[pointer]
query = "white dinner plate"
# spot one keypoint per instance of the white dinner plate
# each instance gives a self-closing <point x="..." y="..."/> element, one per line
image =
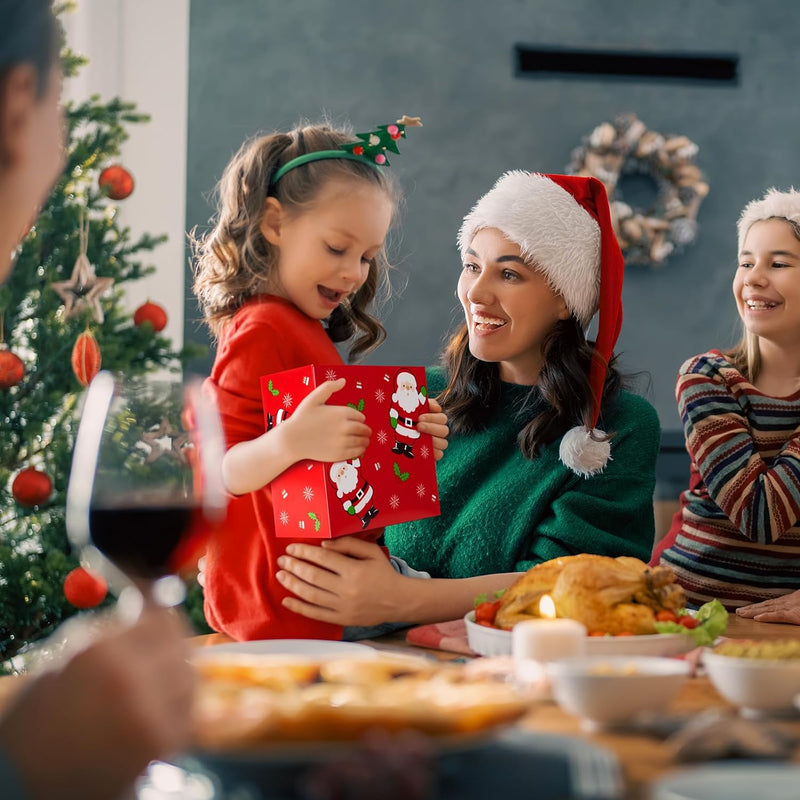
<point x="313" y="648"/>
<point x="497" y="642"/>
<point x="732" y="782"/>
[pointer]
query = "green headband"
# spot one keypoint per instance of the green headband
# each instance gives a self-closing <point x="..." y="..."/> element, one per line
<point x="370" y="149"/>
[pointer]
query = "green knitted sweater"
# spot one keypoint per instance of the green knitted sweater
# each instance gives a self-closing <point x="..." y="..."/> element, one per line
<point x="503" y="513"/>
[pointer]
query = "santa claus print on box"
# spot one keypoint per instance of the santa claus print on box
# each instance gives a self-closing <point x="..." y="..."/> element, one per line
<point x="393" y="481"/>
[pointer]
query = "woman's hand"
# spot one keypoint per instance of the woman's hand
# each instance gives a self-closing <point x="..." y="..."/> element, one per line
<point x="777" y="609"/>
<point x="434" y="422"/>
<point x="346" y="581"/>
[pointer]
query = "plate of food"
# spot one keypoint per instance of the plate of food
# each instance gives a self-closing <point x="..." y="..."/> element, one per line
<point x="626" y="606"/>
<point x="251" y="702"/>
<point x="314" y="648"/>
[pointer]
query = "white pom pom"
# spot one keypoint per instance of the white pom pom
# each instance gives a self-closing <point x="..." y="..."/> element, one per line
<point x="583" y="454"/>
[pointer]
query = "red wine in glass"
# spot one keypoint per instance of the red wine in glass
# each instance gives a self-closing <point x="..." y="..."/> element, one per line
<point x="143" y="541"/>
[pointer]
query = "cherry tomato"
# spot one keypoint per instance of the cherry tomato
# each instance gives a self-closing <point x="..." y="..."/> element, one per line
<point x="665" y="615"/>
<point x="486" y="612"/>
<point x="688" y="621"/>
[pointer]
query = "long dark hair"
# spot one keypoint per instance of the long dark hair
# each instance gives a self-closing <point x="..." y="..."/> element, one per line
<point x="474" y="387"/>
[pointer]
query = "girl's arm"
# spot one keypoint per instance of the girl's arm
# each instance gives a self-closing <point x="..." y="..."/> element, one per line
<point x="762" y="500"/>
<point x="349" y="581"/>
<point x="315" y="430"/>
<point x="777" y="609"/>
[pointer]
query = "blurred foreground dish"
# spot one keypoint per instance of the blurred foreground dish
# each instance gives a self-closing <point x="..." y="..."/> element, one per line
<point x="247" y="701"/>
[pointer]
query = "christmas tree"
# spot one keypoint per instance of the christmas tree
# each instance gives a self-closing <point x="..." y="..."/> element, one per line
<point x="61" y="313"/>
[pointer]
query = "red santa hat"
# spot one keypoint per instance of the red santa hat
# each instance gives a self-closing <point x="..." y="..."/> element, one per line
<point x="562" y="224"/>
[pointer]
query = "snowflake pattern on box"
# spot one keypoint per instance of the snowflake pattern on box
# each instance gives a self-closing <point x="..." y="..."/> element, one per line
<point x="395" y="478"/>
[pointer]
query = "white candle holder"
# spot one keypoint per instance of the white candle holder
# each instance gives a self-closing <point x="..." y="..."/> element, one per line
<point x="534" y="642"/>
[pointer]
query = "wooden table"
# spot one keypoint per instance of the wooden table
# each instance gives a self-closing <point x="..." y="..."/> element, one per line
<point x="643" y="758"/>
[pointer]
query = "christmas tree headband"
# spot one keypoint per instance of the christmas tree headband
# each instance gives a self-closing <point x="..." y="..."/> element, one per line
<point x="370" y="149"/>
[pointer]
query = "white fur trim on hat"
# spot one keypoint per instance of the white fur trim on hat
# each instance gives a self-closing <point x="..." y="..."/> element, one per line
<point x="556" y="234"/>
<point x="583" y="453"/>
<point x="774" y="204"/>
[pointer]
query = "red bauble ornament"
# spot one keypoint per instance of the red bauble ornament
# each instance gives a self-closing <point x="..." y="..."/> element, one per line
<point x="152" y="313"/>
<point x="116" y="182"/>
<point x="31" y="487"/>
<point x="85" y="589"/>
<point x="11" y="367"/>
<point x="86" y="358"/>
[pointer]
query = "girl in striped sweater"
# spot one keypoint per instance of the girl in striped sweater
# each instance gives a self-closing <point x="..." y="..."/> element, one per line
<point x="737" y="535"/>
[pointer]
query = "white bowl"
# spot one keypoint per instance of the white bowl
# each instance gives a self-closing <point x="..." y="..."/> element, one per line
<point x="606" y="691"/>
<point x="758" y="686"/>
<point x="496" y="642"/>
<point x="730" y="780"/>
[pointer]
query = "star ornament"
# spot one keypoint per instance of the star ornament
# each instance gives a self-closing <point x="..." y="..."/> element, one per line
<point x="165" y="440"/>
<point x="410" y="122"/>
<point x="83" y="290"/>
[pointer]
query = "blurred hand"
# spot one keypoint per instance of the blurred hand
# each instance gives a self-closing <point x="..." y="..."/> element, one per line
<point x="88" y="729"/>
<point x="327" y="433"/>
<point x="434" y="422"/>
<point x="777" y="609"/>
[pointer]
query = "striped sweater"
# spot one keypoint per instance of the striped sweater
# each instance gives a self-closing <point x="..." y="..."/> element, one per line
<point x="737" y="536"/>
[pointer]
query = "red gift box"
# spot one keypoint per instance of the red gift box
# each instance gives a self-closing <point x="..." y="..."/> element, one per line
<point x="395" y="478"/>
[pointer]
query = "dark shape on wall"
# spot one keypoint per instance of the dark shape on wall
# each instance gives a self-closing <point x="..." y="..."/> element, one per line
<point x="532" y="61"/>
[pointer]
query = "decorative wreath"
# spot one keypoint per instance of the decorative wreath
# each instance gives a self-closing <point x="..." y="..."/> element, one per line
<point x="627" y="146"/>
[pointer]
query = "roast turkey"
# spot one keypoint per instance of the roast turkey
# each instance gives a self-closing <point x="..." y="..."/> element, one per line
<point x="609" y="595"/>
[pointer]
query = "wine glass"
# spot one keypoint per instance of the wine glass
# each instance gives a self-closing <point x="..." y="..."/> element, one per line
<point x="146" y="483"/>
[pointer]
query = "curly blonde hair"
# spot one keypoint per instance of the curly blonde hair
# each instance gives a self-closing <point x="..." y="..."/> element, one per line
<point x="234" y="261"/>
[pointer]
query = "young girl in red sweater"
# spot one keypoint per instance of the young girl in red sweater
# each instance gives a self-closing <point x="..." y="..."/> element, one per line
<point x="292" y="265"/>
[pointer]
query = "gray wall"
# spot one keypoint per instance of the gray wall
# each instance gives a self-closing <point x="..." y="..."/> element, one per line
<point x="260" y="65"/>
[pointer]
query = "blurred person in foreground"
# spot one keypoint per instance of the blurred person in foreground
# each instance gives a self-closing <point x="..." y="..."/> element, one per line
<point x="87" y="727"/>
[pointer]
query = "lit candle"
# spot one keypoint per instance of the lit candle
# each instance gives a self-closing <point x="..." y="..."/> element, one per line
<point x="548" y="638"/>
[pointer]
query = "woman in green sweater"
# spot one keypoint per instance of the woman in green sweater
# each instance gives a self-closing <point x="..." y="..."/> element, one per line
<point x="548" y="455"/>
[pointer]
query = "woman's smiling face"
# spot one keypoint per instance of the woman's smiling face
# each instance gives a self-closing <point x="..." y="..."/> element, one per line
<point x="508" y="305"/>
